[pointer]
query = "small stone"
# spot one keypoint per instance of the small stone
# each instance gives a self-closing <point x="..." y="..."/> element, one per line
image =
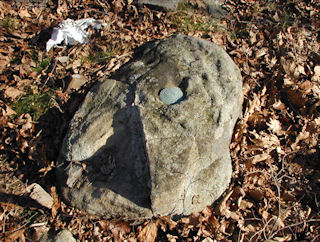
<point x="38" y="194"/>
<point x="63" y="59"/>
<point x="215" y="8"/>
<point x="63" y="236"/>
<point x="169" y="5"/>
<point x="76" y="82"/>
<point x="171" y="95"/>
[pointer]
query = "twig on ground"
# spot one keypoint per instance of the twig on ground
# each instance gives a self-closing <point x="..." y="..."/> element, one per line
<point x="21" y="227"/>
<point x="294" y="225"/>
<point x="38" y="224"/>
<point x="49" y="74"/>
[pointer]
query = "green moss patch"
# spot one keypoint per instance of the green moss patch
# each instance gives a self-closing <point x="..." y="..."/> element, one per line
<point x="34" y="104"/>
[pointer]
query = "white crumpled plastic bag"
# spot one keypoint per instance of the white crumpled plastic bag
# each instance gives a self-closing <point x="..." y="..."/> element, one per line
<point x="71" y="32"/>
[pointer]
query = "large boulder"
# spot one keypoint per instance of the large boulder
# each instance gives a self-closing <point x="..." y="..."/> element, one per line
<point x="154" y="138"/>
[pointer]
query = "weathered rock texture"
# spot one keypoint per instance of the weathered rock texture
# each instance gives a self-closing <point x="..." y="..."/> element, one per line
<point x="128" y="153"/>
<point x="164" y="4"/>
<point x="215" y="8"/>
<point x="62" y="236"/>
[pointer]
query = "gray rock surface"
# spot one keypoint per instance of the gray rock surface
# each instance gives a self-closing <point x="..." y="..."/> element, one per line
<point x="63" y="236"/>
<point x="164" y="4"/>
<point x="129" y="154"/>
<point x="215" y="8"/>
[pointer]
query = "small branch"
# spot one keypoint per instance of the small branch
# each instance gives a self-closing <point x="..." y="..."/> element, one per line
<point x="294" y="225"/>
<point x="51" y="72"/>
<point x="21" y="227"/>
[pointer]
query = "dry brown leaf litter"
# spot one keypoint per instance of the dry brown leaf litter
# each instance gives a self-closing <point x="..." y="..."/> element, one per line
<point x="275" y="149"/>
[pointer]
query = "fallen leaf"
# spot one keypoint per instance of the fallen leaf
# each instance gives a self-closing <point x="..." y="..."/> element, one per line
<point x="288" y="66"/>
<point x="26" y="127"/>
<point x="62" y="8"/>
<point x="264" y="213"/>
<point x="288" y="237"/>
<point x="5" y="7"/>
<point x="4" y="62"/>
<point x="22" y="143"/>
<point x="253" y="37"/>
<point x="118" y="5"/>
<point x="306" y="87"/>
<point x="302" y="136"/>
<point x="316" y="75"/>
<point x="258" y="158"/>
<point x="56" y="201"/>
<point x="279" y="222"/>
<point x="207" y="211"/>
<point x="149" y="232"/>
<point x="299" y="70"/>
<point x="223" y="208"/>
<point x="38" y="232"/>
<point x="213" y="221"/>
<point x="165" y="222"/>
<point x="224" y="224"/>
<point x="117" y="227"/>
<point x="12" y="93"/>
<point x="9" y="111"/>
<point x="261" y="52"/>
<point x="256" y="194"/>
<point x="288" y="196"/>
<point x="278" y="105"/>
<point x="208" y="239"/>
<point x="23" y="13"/>
<point x="275" y="126"/>
<point x="17" y="235"/>
<point x="172" y="238"/>
<point x="245" y="204"/>
<point x="296" y="98"/>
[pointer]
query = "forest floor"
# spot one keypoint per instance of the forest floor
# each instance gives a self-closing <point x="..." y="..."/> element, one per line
<point x="275" y="189"/>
